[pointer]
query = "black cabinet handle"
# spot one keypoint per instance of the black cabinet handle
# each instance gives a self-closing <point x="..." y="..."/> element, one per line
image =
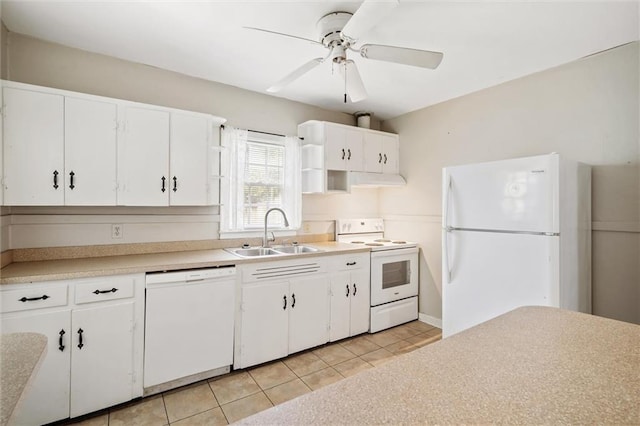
<point x="379" y="157"/>
<point x="285" y="302"/>
<point x="80" y="331"/>
<point x="347" y="294"/>
<point x="293" y="300"/>
<point x="351" y="263"/>
<point x="175" y="184"/>
<point x="343" y="153"/>
<point x="355" y="290"/>
<point x="31" y="299"/>
<point x="113" y="290"/>
<point x="349" y="154"/>
<point x="385" y="159"/>
<point x="163" y="184"/>
<point x="71" y="175"/>
<point x="55" y="179"/>
<point x="60" y="341"/>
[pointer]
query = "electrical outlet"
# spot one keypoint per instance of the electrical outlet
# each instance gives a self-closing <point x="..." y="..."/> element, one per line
<point x="116" y="231"/>
<point x="306" y="227"/>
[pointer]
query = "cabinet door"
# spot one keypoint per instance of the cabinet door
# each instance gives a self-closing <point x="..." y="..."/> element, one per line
<point x="90" y="152"/>
<point x="33" y="148"/>
<point x="189" y="159"/>
<point x="390" y="148"/>
<point x="340" y="306"/>
<point x="309" y="313"/>
<point x="360" y="301"/>
<point x="102" y="360"/>
<point x="335" y="148"/>
<point x="353" y="142"/>
<point x="47" y="398"/>
<point x="372" y="148"/>
<point x="143" y="158"/>
<point x="264" y="322"/>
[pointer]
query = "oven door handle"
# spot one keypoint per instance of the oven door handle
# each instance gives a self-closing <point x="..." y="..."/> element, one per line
<point x="394" y="253"/>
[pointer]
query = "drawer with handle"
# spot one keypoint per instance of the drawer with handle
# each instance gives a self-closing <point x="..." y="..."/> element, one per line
<point x="33" y="296"/>
<point x="101" y="289"/>
<point x="351" y="261"/>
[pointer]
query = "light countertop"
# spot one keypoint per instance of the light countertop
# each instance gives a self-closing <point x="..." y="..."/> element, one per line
<point x="533" y="365"/>
<point x="48" y="270"/>
<point x="20" y="357"/>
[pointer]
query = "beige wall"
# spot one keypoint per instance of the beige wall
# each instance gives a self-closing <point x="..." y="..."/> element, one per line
<point x="586" y="110"/>
<point x="37" y="62"/>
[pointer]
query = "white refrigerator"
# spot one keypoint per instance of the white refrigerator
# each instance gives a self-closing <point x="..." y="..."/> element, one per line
<point x="515" y="233"/>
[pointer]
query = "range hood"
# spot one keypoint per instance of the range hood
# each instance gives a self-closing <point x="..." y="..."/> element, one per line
<point x="375" y="179"/>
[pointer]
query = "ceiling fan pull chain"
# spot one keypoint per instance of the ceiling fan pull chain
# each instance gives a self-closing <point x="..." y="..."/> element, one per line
<point x="345" y="81"/>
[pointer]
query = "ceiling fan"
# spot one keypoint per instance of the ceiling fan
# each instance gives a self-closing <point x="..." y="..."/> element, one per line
<point x="339" y="32"/>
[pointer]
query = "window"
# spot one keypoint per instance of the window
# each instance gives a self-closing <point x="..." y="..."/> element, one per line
<point x="260" y="172"/>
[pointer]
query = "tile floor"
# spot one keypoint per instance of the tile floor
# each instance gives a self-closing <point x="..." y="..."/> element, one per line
<point x="229" y="398"/>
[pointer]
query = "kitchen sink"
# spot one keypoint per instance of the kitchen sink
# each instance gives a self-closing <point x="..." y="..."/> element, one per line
<point x="253" y="252"/>
<point x="296" y="249"/>
<point x="268" y="251"/>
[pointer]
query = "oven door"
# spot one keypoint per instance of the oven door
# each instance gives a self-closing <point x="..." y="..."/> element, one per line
<point x="394" y="275"/>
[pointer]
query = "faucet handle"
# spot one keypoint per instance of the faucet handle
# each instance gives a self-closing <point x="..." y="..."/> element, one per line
<point x="273" y="236"/>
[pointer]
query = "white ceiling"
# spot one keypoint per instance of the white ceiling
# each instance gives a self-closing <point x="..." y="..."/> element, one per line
<point x="484" y="42"/>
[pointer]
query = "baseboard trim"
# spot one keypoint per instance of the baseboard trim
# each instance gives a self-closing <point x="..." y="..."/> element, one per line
<point x="436" y="322"/>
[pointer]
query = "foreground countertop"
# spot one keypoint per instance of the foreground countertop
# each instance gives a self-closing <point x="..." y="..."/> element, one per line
<point x="20" y="357"/>
<point x="533" y="365"/>
<point x="48" y="270"/>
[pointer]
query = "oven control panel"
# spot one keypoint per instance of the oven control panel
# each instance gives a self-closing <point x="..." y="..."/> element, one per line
<point x="359" y="226"/>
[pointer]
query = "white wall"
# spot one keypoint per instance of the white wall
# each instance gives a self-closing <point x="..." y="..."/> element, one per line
<point x="37" y="62"/>
<point x="586" y="110"/>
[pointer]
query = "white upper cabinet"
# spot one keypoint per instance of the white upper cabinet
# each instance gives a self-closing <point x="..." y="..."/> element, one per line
<point x="343" y="148"/>
<point x="67" y="148"/>
<point x="90" y="134"/>
<point x="143" y="157"/>
<point x="33" y="148"/>
<point x="381" y="153"/>
<point x="191" y="174"/>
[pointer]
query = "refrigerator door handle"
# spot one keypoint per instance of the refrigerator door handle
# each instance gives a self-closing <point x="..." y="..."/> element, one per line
<point x="447" y="229"/>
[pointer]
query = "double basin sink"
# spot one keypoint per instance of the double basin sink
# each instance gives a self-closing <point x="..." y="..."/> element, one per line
<point x="271" y="251"/>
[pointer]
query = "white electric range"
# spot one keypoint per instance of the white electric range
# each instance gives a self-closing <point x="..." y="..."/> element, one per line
<point x="394" y="271"/>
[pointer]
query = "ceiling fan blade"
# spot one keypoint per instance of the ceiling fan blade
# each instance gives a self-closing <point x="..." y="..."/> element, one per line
<point x="289" y="78"/>
<point x="353" y="81"/>
<point x="285" y="35"/>
<point x="402" y="55"/>
<point x="367" y="16"/>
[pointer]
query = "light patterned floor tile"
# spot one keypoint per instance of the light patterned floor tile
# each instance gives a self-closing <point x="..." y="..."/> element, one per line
<point x="233" y="387"/>
<point x="148" y="412"/>
<point x="245" y="407"/>
<point x="305" y="363"/>
<point x="422" y="327"/>
<point x="101" y="420"/>
<point x="287" y="391"/>
<point x="353" y="366"/>
<point x="422" y="339"/>
<point x="378" y="357"/>
<point x="404" y="331"/>
<point x="271" y="375"/>
<point x="401" y="347"/>
<point x="189" y="400"/>
<point x="322" y="378"/>
<point x="384" y="338"/>
<point x="213" y="417"/>
<point x="360" y="345"/>
<point x="334" y="354"/>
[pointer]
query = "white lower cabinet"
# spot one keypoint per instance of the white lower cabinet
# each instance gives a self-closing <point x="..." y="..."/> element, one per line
<point x="94" y="329"/>
<point x="350" y="295"/>
<point x="280" y="314"/>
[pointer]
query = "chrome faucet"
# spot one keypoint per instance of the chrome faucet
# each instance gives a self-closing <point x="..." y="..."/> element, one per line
<point x="265" y="239"/>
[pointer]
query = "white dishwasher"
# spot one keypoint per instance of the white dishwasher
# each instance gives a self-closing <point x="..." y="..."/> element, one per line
<point x="188" y="326"/>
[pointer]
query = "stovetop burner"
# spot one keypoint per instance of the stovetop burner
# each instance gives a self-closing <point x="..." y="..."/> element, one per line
<point x="382" y="240"/>
<point x="357" y="242"/>
<point x="374" y="244"/>
<point x="398" y="242"/>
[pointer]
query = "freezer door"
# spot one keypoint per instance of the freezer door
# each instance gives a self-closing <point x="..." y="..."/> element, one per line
<point x="511" y="195"/>
<point x="487" y="274"/>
